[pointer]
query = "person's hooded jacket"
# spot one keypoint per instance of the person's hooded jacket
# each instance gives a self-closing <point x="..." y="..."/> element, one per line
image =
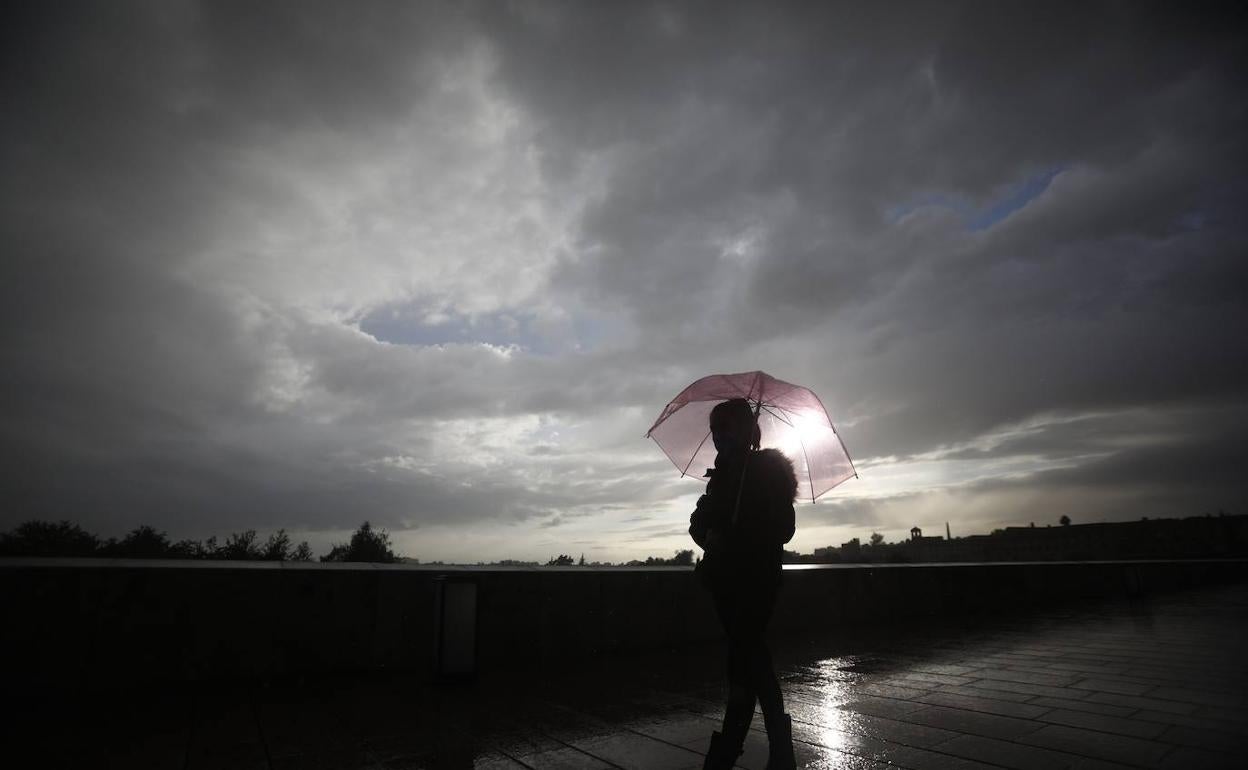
<point x="746" y="547"/>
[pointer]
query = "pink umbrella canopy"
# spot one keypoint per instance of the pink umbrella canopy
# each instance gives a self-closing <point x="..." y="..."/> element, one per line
<point x="791" y="418"/>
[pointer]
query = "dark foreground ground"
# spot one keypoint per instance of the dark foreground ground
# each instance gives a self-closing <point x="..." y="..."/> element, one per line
<point x="1156" y="683"/>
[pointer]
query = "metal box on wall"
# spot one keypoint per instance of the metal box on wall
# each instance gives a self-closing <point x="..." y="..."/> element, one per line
<point x="454" y="628"/>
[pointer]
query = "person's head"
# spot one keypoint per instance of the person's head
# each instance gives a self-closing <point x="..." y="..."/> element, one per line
<point x="733" y="427"/>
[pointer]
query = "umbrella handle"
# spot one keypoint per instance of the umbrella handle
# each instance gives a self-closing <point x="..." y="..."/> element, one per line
<point x="736" y="507"/>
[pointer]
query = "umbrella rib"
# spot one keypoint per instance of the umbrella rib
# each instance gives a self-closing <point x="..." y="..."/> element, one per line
<point x="837" y="433"/>
<point x="810" y="475"/>
<point x="668" y="411"/>
<point x="778" y="414"/>
<point x="684" y="471"/>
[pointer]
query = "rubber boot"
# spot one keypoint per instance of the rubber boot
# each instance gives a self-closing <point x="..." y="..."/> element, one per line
<point x="780" y="745"/>
<point x="724" y="751"/>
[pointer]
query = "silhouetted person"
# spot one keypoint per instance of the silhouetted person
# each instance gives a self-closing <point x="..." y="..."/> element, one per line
<point x="742" y="524"/>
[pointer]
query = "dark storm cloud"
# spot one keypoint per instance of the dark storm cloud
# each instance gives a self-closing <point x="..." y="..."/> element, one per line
<point x="1115" y="286"/>
<point x="798" y="133"/>
<point x="853" y="197"/>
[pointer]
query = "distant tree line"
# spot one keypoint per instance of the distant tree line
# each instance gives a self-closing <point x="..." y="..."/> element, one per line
<point x="681" y="559"/>
<point x="1203" y="536"/>
<point x="63" y="538"/>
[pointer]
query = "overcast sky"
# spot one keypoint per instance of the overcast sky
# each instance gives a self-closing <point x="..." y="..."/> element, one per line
<point x="439" y="265"/>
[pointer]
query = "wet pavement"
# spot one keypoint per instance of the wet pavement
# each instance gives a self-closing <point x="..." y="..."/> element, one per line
<point x="1155" y="683"/>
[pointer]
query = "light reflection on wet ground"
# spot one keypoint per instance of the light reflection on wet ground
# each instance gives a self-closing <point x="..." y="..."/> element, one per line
<point x="1159" y="684"/>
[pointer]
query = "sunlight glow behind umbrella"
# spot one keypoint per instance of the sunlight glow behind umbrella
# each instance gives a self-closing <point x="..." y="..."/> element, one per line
<point x="791" y="418"/>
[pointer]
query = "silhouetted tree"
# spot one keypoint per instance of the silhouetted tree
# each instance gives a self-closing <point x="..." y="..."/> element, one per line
<point x="683" y="558"/>
<point x="302" y="552"/>
<point x="240" y="546"/>
<point x="143" y="542"/>
<point x="562" y="560"/>
<point x="194" y="549"/>
<point x="1064" y="521"/>
<point x="366" y="544"/>
<point x="277" y="547"/>
<point x="45" y="538"/>
<point x="876" y="539"/>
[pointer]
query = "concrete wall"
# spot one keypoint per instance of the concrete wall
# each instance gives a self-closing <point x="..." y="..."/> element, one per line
<point x="114" y="622"/>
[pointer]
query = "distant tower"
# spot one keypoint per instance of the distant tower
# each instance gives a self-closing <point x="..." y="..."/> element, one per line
<point x="915" y="533"/>
<point x="947" y="535"/>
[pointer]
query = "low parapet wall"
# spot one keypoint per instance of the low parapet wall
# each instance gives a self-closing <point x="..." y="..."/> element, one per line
<point x="119" y="622"/>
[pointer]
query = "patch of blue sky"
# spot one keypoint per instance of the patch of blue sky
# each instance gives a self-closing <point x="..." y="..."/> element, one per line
<point x="408" y="324"/>
<point x="979" y="217"/>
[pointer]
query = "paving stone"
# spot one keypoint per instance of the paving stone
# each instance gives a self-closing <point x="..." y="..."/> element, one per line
<point x="1199" y="722"/>
<point x="1024" y="688"/>
<point x="1205" y="739"/>
<point x="1198" y="697"/>
<point x="1026" y="677"/>
<point x="1139" y="702"/>
<point x="1016" y="662"/>
<point x="684" y="730"/>
<point x="987" y="705"/>
<point x="1115" y="748"/>
<point x="495" y="761"/>
<point x="893" y="691"/>
<point x="980" y="692"/>
<point x="880" y="707"/>
<point x="923" y="759"/>
<point x="1187" y="758"/>
<point x="1196" y="678"/>
<point x="822" y="757"/>
<point x="513" y="742"/>
<point x="408" y="763"/>
<point x="854" y="740"/>
<point x="1105" y="723"/>
<point x="638" y="752"/>
<point x="1008" y="754"/>
<point x="918" y="678"/>
<point x="1086" y="668"/>
<point x="1113" y="686"/>
<point x="566" y="758"/>
<point x="1239" y="716"/>
<point x="815" y="713"/>
<point x="1083" y="705"/>
<point x="948" y="669"/>
<point x="973" y="722"/>
<point x="905" y="733"/>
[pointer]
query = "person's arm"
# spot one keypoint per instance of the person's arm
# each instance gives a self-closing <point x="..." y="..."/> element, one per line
<point x="700" y="521"/>
<point x="785" y="520"/>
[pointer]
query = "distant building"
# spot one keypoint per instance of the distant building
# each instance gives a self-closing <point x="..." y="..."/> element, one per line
<point x="1189" y="538"/>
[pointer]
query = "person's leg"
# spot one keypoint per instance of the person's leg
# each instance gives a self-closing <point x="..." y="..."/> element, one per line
<point x="739" y="711"/>
<point x="763" y="682"/>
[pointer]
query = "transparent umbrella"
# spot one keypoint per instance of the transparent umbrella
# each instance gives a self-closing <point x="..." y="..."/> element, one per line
<point x="791" y="418"/>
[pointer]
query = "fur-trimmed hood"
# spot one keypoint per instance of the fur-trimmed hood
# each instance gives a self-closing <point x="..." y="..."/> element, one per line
<point x="754" y="517"/>
<point x="774" y="466"/>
